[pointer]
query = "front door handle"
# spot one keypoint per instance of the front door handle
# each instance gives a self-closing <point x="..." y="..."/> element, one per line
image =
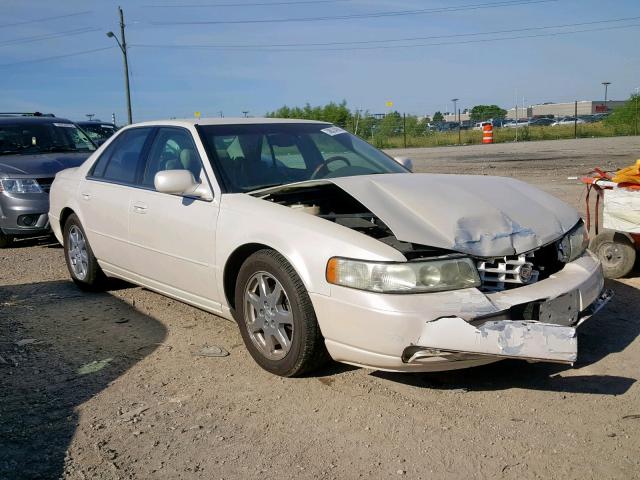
<point x="86" y="196"/>
<point x="139" y="207"/>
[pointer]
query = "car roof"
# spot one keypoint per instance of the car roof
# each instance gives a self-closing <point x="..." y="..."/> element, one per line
<point x="93" y="122"/>
<point x="32" y="119"/>
<point x="185" y="122"/>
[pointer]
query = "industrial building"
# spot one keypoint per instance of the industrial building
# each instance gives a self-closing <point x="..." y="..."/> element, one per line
<point x="585" y="107"/>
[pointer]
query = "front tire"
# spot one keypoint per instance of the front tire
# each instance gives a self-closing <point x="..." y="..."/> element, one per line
<point x="276" y="317"/>
<point x="81" y="262"/>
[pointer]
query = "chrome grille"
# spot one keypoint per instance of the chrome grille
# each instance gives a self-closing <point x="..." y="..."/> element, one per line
<point x="498" y="274"/>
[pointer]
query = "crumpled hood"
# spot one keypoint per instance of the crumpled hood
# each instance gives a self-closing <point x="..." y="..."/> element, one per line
<point x="40" y="165"/>
<point x="478" y="215"/>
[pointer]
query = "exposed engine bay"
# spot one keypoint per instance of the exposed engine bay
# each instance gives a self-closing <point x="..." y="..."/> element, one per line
<point x="332" y="203"/>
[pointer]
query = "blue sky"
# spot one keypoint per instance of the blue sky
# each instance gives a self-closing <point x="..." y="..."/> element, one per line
<point x="418" y="79"/>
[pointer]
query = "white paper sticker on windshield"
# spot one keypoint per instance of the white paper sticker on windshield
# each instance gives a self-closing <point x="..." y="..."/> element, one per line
<point x="68" y="125"/>
<point x="110" y="127"/>
<point x="333" y="131"/>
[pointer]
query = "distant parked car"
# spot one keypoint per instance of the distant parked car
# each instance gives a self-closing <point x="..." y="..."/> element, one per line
<point x="98" y="131"/>
<point x="541" y="122"/>
<point x="567" y="121"/>
<point x="514" y="124"/>
<point x="480" y="125"/>
<point x="33" y="148"/>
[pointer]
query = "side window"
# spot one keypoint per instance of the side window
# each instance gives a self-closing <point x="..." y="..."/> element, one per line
<point x="125" y="159"/>
<point x="172" y="149"/>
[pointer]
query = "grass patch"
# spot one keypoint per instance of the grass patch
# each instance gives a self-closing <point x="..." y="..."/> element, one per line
<point x="503" y="135"/>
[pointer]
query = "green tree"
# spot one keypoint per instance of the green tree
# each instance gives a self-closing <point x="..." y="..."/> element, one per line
<point x="438" y="117"/>
<point x="480" y="113"/>
<point x="626" y="119"/>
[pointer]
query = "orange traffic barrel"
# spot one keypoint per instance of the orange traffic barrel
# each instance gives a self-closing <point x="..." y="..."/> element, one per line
<point x="487" y="133"/>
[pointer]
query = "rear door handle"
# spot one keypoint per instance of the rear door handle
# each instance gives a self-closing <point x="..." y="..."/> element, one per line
<point x="139" y="207"/>
<point x="86" y="196"/>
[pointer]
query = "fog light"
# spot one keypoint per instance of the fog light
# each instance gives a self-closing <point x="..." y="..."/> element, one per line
<point x="28" y="220"/>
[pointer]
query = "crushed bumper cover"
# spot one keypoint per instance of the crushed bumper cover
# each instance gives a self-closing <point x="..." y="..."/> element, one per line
<point x="523" y="339"/>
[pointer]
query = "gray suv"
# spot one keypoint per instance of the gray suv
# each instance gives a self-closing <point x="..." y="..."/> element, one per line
<point x="33" y="148"/>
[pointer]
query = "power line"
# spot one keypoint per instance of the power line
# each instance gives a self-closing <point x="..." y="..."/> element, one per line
<point x="386" y="47"/>
<point x="45" y="19"/>
<point x="475" y="6"/>
<point x="258" y="4"/>
<point x="47" y="36"/>
<point x="55" y="57"/>
<point x="389" y="40"/>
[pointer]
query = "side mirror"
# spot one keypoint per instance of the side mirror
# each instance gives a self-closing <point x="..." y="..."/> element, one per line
<point x="180" y="182"/>
<point x="406" y="162"/>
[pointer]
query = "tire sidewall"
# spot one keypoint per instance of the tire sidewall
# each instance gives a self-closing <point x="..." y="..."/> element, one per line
<point x="93" y="271"/>
<point x="261" y="262"/>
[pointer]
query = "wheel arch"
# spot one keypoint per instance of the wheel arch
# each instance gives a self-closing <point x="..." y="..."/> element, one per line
<point x="235" y="261"/>
<point x="64" y="214"/>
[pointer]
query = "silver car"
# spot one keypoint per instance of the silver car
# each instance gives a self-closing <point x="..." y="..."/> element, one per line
<point x="33" y="148"/>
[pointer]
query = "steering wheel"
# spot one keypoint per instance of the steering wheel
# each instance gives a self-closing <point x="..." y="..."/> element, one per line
<point x="324" y="165"/>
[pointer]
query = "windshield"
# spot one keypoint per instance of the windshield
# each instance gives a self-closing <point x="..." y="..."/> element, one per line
<point x="29" y="138"/>
<point x="250" y="157"/>
<point x="98" y="131"/>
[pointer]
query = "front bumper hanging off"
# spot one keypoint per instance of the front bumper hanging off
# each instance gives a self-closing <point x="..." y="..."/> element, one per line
<point x="523" y="339"/>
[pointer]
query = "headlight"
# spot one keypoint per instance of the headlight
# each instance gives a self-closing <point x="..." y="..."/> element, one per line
<point x="573" y="244"/>
<point x="20" y="185"/>
<point x="406" y="277"/>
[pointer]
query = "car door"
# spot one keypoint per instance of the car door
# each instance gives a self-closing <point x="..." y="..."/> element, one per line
<point x="172" y="236"/>
<point x="104" y="197"/>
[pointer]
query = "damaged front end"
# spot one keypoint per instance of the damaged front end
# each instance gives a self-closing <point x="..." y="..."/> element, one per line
<point x="537" y="281"/>
<point x="530" y="340"/>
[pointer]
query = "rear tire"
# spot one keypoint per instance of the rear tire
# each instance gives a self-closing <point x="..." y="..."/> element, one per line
<point x="5" y="240"/>
<point x="616" y="252"/>
<point x="276" y="317"/>
<point x="81" y="262"/>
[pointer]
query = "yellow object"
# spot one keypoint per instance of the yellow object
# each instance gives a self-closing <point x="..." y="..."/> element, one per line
<point x="628" y="174"/>
<point x="389" y="104"/>
<point x="196" y="114"/>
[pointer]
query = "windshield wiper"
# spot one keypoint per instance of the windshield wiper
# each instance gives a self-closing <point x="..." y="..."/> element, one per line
<point x="262" y="187"/>
<point x="58" y="148"/>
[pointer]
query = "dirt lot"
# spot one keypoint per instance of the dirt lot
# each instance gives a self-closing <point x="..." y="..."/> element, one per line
<point x="109" y="386"/>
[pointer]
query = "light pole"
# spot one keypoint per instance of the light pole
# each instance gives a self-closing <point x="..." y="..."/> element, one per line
<point x="90" y="116"/>
<point x="245" y="113"/>
<point x="122" y="43"/>
<point x="606" y="89"/>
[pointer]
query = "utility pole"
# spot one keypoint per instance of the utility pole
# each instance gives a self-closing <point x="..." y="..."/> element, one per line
<point x="245" y="113"/>
<point x="459" y="134"/>
<point x="122" y="43"/>
<point x="606" y="89"/>
<point x="455" y="106"/>
<point x="90" y="116"/>
<point x="575" y="119"/>
<point x="404" y="128"/>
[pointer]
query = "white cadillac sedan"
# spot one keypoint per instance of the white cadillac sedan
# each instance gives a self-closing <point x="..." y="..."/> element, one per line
<point x="320" y="246"/>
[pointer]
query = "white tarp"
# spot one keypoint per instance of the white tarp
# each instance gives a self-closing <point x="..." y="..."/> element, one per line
<point x="622" y="210"/>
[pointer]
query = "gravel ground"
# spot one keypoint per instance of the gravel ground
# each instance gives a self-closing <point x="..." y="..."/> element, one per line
<point x="111" y="386"/>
